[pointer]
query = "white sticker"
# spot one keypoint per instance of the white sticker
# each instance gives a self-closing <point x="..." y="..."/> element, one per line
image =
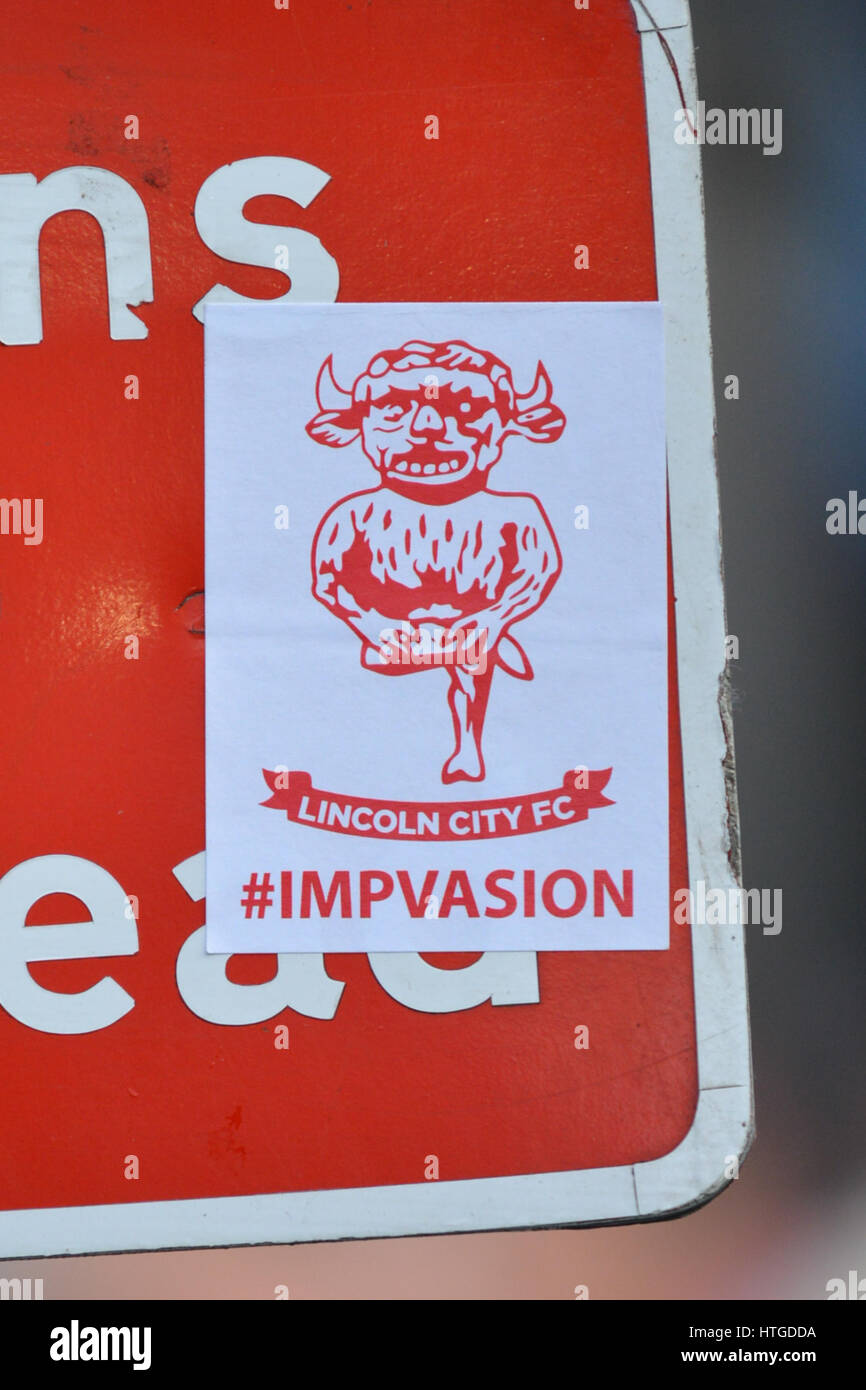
<point x="436" y="628"/>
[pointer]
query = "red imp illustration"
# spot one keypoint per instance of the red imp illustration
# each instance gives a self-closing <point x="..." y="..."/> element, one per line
<point x="432" y="568"/>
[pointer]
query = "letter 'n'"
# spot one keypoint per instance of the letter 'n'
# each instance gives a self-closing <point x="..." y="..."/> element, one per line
<point x="25" y="207"/>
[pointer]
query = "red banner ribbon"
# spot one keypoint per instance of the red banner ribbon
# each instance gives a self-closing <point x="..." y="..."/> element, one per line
<point x="293" y="792"/>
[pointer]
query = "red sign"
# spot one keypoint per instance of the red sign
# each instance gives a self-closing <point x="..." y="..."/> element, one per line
<point x="498" y="154"/>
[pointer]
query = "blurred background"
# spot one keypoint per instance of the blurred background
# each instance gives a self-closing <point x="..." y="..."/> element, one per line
<point x="785" y="244"/>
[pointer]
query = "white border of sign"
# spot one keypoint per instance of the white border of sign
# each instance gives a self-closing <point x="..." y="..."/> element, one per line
<point x="722" y="1128"/>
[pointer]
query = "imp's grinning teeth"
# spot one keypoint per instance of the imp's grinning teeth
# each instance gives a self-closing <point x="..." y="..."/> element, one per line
<point x="428" y="469"/>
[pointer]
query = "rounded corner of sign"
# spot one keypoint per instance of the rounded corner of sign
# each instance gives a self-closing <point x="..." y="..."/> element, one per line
<point x="705" y="1162"/>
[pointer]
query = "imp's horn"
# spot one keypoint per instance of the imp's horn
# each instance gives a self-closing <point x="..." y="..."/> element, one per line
<point x="542" y="390"/>
<point x="329" y="393"/>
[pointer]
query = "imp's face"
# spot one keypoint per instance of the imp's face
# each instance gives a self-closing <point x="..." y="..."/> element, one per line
<point x="433" y="429"/>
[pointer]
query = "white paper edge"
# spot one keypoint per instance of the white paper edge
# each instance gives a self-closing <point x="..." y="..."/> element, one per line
<point x="723" y="1126"/>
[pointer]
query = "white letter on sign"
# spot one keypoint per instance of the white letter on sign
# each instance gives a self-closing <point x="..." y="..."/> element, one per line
<point x="301" y="982"/>
<point x="503" y="977"/>
<point x="25" y="207"/>
<point x="110" y="933"/>
<point x="219" y="216"/>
